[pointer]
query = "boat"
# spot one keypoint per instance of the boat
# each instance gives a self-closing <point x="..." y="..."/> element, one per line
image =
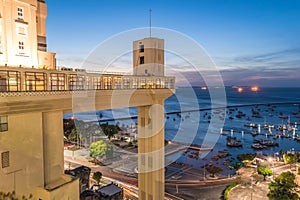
<point x="258" y="146"/>
<point x="234" y="143"/>
<point x="268" y="143"/>
<point x="255" y="133"/>
<point x="251" y="125"/>
<point x="283" y="116"/>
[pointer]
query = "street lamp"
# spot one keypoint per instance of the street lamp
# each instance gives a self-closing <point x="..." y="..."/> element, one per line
<point x="271" y="160"/>
<point x="204" y="172"/>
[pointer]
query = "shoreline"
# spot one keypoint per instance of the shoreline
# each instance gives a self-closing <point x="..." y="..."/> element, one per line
<point x="193" y="110"/>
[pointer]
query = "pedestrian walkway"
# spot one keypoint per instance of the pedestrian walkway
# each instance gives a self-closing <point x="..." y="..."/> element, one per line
<point x="248" y="192"/>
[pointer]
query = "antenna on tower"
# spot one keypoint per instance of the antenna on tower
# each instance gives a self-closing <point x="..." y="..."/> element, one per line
<point x="150" y="14"/>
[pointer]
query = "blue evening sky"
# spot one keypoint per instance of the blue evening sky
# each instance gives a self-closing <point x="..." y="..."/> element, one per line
<point x="251" y="41"/>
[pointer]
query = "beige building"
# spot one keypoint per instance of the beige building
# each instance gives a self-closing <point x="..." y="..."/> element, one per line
<point x="33" y="102"/>
<point x="148" y="57"/>
<point x="23" y="34"/>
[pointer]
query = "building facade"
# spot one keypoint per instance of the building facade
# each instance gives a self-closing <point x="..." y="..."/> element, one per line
<point x="23" y="34"/>
<point x="34" y="96"/>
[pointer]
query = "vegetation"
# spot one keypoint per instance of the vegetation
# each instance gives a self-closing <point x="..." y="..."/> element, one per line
<point x="228" y="189"/>
<point x="265" y="172"/>
<point x="99" y="149"/>
<point x="110" y="130"/>
<point x="237" y="166"/>
<point x="213" y="170"/>
<point x="283" y="187"/>
<point x="246" y="158"/>
<point x="73" y="136"/>
<point x="298" y="170"/>
<point x="290" y="158"/>
<point x="12" y="196"/>
<point x="97" y="177"/>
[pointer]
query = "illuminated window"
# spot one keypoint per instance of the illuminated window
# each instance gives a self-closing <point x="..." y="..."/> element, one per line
<point x="107" y="83"/>
<point x="142" y="60"/>
<point x="35" y="81"/>
<point x="97" y="83"/>
<point x="20" y="13"/>
<point x="126" y="83"/>
<point x="3" y="124"/>
<point x="76" y="82"/>
<point x="57" y="81"/>
<point x="10" y="81"/>
<point x="5" y="159"/>
<point x="117" y="83"/>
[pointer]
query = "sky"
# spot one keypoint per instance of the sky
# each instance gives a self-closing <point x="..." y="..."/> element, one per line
<point x="252" y="42"/>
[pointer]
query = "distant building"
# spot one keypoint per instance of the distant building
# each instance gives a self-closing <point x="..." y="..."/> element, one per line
<point x="83" y="173"/>
<point x="23" y="34"/>
<point x="109" y="192"/>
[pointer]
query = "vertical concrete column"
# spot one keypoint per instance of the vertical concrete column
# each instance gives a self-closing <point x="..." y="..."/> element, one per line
<point x="151" y="152"/>
<point x="53" y="141"/>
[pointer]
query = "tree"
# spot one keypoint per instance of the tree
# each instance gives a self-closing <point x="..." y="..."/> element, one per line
<point x="265" y="172"/>
<point x="246" y="158"/>
<point x="290" y="158"/>
<point x="12" y="196"/>
<point x="98" y="149"/>
<point x="109" y="130"/>
<point x="213" y="170"/>
<point x="237" y="166"/>
<point x="73" y="136"/>
<point x="283" y="187"/>
<point x="298" y="170"/>
<point x="97" y="177"/>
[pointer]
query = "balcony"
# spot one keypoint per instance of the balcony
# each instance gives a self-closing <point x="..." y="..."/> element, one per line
<point x="27" y="80"/>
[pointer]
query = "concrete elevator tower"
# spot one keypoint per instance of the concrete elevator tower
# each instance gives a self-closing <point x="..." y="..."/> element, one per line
<point x="148" y="57"/>
<point x="148" y="60"/>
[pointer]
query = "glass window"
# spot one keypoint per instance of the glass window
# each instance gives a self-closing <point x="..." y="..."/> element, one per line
<point x="9" y="81"/>
<point x="117" y="83"/>
<point x="107" y="83"/>
<point x="126" y="83"/>
<point x="76" y="82"/>
<point x="35" y="81"/>
<point x="5" y="159"/>
<point x="3" y="124"/>
<point x="142" y="48"/>
<point x="20" y="13"/>
<point x="21" y="47"/>
<point x="57" y="81"/>
<point x="142" y="60"/>
<point x="97" y="83"/>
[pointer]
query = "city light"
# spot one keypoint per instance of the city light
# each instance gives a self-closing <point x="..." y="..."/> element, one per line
<point x="240" y="89"/>
<point x="254" y="88"/>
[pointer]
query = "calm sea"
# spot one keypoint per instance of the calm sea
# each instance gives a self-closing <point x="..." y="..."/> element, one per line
<point x="192" y="123"/>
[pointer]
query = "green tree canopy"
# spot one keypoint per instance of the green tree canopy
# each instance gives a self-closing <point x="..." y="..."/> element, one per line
<point x="237" y="166"/>
<point x="246" y="157"/>
<point x="290" y="158"/>
<point x="264" y="171"/>
<point x="109" y="130"/>
<point x="213" y="170"/>
<point x="97" y="177"/>
<point x="98" y="149"/>
<point x="73" y="135"/>
<point x="283" y="187"/>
